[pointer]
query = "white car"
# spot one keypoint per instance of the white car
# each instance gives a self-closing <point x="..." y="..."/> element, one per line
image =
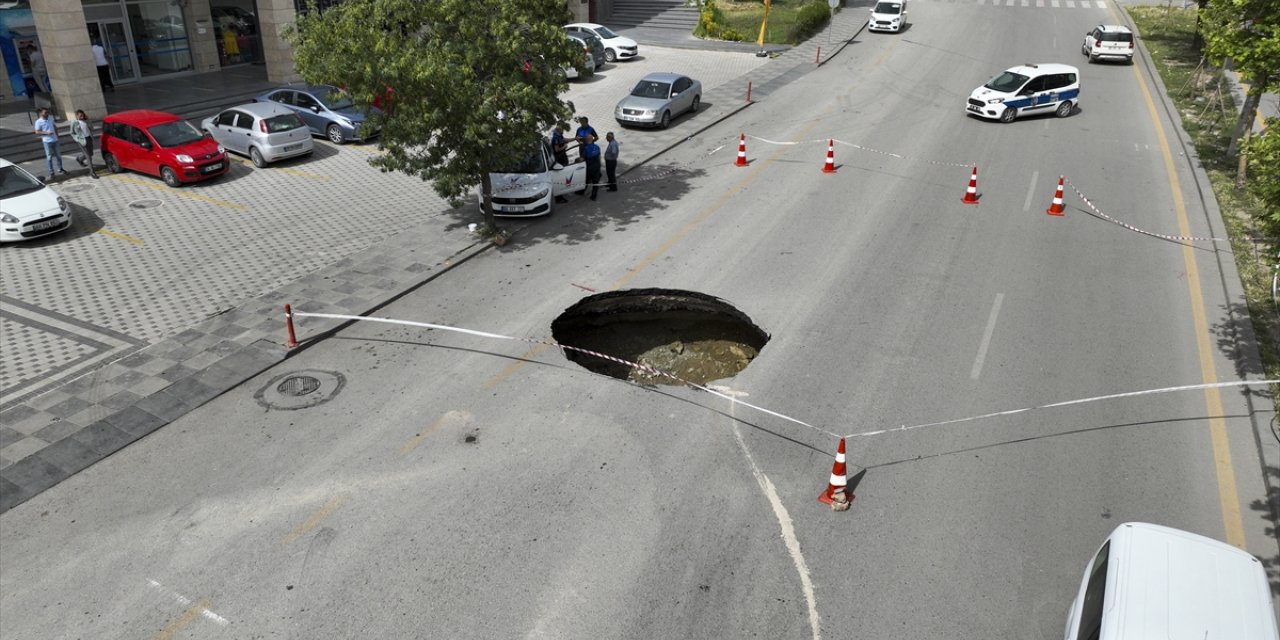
<point x="531" y="187"/>
<point x="28" y="207"/>
<point x="1108" y="41"/>
<point x="616" y="47"/>
<point x="1027" y="89"/>
<point x="888" y="15"/>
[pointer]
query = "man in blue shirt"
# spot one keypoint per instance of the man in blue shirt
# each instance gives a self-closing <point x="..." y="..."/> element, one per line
<point x="48" y="132"/>
<point x="591" y="153"/>
<point x="584" y="130"/>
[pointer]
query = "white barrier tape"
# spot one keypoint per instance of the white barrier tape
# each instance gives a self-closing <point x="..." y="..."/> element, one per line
<point x="785" y="143"/>
<point x="552" y="343"/>
<point x="1130" y="227"/>
<point x="902" y="157"/>
<point x="1190" y="387"/>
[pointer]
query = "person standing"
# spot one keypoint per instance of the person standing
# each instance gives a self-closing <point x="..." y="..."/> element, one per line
<point x="611" y="160"/>
<point x="591" y="153"/>
<point x="38" y="71"/>
<point x="584" y="129"/>
<point x="104" y="68"/>
<point x="83" y="135"/>
<point x="560" y="146"/>
<point x="48" y="132"/>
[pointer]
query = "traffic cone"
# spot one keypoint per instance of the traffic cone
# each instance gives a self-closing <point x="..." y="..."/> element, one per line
<point x="836" y="495"/>
<point x="1055" y="209"/>
<point x="830" y="166"/>
<point x="742" y="151"/>
<point x="971" y="194"/>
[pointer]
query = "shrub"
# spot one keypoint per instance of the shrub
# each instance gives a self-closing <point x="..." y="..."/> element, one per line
<point x="811" y="18"/>
<point x="1264" y="169"/>
<point x="711" y="24"/>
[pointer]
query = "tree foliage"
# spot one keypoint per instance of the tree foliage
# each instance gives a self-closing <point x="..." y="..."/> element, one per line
<point x="469" y="86"/>
<point x="1264" y="166"/>
<point x="1246" y="32"/>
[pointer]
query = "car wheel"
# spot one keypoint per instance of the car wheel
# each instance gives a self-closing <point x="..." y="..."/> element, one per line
<point x="113" y="165"/>
<point x="335" y="134"/>
<point x="610" y="56"/>
<point x="1064" y="109"/>
<point x="696" y="101"/>
<point x="1084" y="49"/>
<point x="666" y="120"/>
<point x="170" y="177"/>
<point x="256" y="157"/>
<point x="1092" y="58"/>
<point x="1008" y="114"/>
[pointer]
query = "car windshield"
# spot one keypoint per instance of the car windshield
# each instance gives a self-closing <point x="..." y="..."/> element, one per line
<point x="15" y="182"/>
<point x="605" y="33"/>
<point x="651" y="89"/>
<point x="284" y="122"/>
<point x="1109" y="36"/>
<point x="888" y="7"/>
<point x="335" y="100"/>
<point x="174" y="134"/>
<point x="532" y="163"/>
<point x="1008" y="82"/>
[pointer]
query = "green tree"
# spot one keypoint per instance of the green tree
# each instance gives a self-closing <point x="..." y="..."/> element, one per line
<point x="1246" y="32"/>
<point x="473" y="85"/>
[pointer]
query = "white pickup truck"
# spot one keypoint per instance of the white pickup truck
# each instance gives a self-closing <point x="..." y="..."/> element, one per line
<point x="531" y="187"/>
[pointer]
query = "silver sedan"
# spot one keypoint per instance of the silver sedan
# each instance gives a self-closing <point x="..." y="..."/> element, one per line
<point x="658" y="98"/>
<point x="264" y="131"/>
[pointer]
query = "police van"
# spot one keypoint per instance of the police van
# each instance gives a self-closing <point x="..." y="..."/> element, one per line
<point x="530" y="187"/>
<point x="1027" y="90"/>
<point x="1149" y="582"/>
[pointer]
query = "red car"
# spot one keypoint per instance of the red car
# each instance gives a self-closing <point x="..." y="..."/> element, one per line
<point x="160" y="144"/>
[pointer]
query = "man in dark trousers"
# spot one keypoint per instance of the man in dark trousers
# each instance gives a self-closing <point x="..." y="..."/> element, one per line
<point x="584" y="130"/>
<point x="611" y="160"/>
<point x="591" y="153"/>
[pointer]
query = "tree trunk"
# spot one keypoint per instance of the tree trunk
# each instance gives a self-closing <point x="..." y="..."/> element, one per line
<point x="486" y="192"/>
<point x="1245" y="121"/>
<point x="1197" y="41"/>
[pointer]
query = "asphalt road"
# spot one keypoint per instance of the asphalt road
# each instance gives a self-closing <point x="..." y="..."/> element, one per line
<point x="459" y="487"/>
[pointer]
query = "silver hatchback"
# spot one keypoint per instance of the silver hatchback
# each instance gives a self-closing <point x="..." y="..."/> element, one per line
<point x="265" y="131"/>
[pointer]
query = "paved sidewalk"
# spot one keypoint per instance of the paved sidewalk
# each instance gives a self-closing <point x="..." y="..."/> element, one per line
<point x="87" y="419"/>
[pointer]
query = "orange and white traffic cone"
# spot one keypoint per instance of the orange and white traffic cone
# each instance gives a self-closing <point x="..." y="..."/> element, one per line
<point x="971" y="194"/>
<point x="836" y="494"/>
<point x="830" y="166"/>
<point x="1055" y="209"/>
<point x="742" y="151"/>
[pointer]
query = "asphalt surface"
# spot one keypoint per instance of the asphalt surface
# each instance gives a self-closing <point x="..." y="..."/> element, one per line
<point x="455" y="486"/>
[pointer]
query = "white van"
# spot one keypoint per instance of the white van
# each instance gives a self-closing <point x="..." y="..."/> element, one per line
<point x="1027" y="90"/>
<point x="531" y="187"/>
<point x="1149" y="582"/>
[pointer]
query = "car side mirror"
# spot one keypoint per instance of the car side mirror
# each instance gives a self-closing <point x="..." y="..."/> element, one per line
<point x="43" y="179"/>
<point x="146" y="145"/>
<point x="315" y="109"/>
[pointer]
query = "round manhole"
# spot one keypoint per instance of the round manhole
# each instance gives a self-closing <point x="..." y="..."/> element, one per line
<point x="300" y="389"/>
<point x="692" y="336"/>
<point x="145" y="203"/>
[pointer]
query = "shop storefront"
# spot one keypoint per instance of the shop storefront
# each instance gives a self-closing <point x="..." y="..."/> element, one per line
<point x="143" y="39"/>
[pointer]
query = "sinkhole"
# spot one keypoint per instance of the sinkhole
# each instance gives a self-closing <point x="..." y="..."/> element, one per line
<point x="692" y="336"/>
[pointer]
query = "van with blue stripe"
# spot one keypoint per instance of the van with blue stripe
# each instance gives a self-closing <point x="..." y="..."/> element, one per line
<point x="1027" y="90"/>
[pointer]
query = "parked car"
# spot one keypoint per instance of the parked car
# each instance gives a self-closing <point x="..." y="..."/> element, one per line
<point x="1027" y="90"/>
<point x="327" y="110"/>
<point x="160" y="144"/>
<point x="616" y="47"/>
<point x="888" y="15"/>
<point x="594" y="46"/>
<point x="658" y="98"/>
<point x="1109" y="41"/>
<point x="265" y="131"/>
<point x="589" y="64"/>
<point x="531" y="186"/>
<point x="28" y="207"/>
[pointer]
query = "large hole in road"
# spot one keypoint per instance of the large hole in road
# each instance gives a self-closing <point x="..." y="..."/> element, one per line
<point x="693" y="336"/>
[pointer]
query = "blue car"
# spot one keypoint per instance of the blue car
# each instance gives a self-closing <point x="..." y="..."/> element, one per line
<point x="328" y="111"/>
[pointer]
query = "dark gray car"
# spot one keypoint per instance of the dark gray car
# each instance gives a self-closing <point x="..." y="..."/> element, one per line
<point x="594" y="45"/>
<point x="328" y="111"/>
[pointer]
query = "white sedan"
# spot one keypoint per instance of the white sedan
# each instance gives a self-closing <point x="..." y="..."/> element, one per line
<point x="616" y="47"/>
<point x="28" y="207"/>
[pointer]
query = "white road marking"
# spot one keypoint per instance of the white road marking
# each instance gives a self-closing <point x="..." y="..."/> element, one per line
<point x="1026" y="205"/>
<point x="1071" y="4"/>
<point x="1102" y="5"/>
<point x="788" y="531"/>
<point x="986" y="338"/>
<point x="186" y="602"/>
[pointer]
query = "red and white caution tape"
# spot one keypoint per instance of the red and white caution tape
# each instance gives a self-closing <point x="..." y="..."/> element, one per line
<point x="1130" y="227"/>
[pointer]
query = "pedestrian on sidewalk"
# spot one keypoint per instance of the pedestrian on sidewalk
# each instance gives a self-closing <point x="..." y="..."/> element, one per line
<point x="48" y="132"/>
<point x="104" y="68"/>
<point x="611" y="160"/>
<point x="83" y="135"/>
<point x="591" y="153"/>
<point x="38" y="71"/>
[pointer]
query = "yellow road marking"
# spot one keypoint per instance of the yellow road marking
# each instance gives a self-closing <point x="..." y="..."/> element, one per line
<point x="754" y="171"/>
<point x="315" y="519"/>
<point x="118" y="236"/>
<point x="182" y="621"/>
<point x="296" y="172"/>
<point x="450" y="417"/>
<point x="167" y="189"/>
<point x="1228" y="495"/>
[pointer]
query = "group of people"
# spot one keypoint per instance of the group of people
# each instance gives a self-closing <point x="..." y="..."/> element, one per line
<point x="588" y="152"/>
<point x="81" y="132"/>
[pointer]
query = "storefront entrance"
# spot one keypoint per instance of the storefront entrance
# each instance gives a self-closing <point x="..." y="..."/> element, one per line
<point x="119" y="47"/>
<point x="144" y="39"/>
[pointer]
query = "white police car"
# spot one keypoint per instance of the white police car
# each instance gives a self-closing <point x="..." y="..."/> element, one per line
<point x="1027" y="90"/>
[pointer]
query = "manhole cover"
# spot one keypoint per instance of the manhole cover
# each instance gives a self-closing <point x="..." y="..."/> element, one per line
<point x="300" y="389"/>
<point x="146" y="203"/>
<point x="692" y="336"/>
<point x="76" y="188"/>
